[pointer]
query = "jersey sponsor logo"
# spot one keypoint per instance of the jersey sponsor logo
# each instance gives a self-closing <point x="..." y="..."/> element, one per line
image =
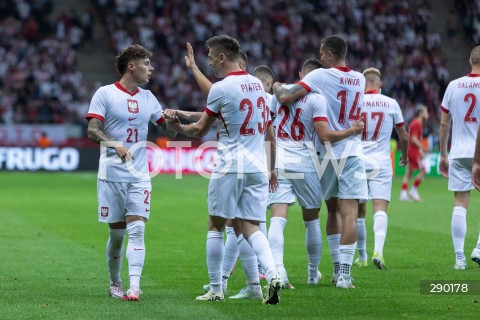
<point x="104" y="211"/>
<point x="132" y="106"/>
<point x="131" y="118"/>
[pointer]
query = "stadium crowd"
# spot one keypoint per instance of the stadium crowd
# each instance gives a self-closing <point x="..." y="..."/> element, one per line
<point x="281" y="35"/>
<point x="39" y="81"/>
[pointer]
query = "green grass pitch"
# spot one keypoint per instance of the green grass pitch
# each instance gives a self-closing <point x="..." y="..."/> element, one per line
<point x="52" y="257"/>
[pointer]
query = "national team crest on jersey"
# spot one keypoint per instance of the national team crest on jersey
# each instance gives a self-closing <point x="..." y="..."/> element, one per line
<point x="132" y="106"/>
<point x="104" y="211"/>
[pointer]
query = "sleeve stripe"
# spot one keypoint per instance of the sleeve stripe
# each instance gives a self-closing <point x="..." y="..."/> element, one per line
<point x="316" y="119"/>
<point x="305" y="86"/>
<point x="269" y="123"/>
<point x="159" y="121"/>
<point x="401" y="124"/>
<point x="444" y="110"/>
<point x="94" y="115"/>
<point x="211" y="113"/>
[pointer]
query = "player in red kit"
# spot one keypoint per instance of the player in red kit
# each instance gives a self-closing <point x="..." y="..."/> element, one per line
<point x="416" y="151"/>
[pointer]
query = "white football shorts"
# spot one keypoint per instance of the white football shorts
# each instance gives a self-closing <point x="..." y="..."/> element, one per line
<point x="307" y="190"/>
<point x="460" y="174"/>
<point x="238" y="196"/>
<point x="116" y="200"/>
<point x="348" y="183"/>
<point x="380" y="180"/>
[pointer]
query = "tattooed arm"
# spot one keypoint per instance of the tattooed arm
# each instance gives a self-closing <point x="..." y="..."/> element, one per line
<point x="96" y="134"/>
<point x="167" y="133"/>
<point x="285" y="95"/>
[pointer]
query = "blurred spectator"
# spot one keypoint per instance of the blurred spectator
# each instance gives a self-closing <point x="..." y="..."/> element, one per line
<point x="39" y="82"/>
<point x="390" y="35"/>
<point x="44" y="141"/>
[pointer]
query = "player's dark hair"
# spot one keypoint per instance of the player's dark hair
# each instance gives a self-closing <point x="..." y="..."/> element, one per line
<point x="224" y="44"/>
<point x="336" y="44"/>
<point x="243" y="56"/>
<point x="126" y="55"/>
<point x="311" y="64"/>
<point x="263" y="73"/>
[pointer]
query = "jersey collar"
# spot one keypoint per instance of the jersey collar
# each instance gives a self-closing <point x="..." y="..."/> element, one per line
<point x="344" y="69"/>
<point x="237" y="73"/>
<point x="473" y="75"/>
<point x="121" y="88"/>
<point x="371" y="91"/>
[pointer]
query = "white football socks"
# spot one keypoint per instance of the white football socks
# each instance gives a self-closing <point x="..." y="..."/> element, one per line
<point x="362" y="239"/>
<point x="260" y="244"/>
<point x="231" y="252"/>
<point x="215" y="251"/>
<point x="313" y="242"/>
<point x="115" y="254"/>
<point x="334" y="246"/>
<point x="347" y="252"/>
<point x="459" y="229"/>
<point x="135" y="251"/>
<point x="249" y="260"/>
<point x="380" y="225"/>
<point x="276" y="241"/>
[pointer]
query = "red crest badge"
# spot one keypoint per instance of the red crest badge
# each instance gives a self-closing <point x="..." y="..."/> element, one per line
<point x="104" y="211"/>
<point x="132" y="106"/>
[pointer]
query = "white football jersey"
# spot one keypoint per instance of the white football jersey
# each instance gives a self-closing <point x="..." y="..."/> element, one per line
<point x="379" y="114"/>
<point x="460" y="100"/>
<point x="295" y="132"/>
<point x="239" y="101"/>
<point x="343" y="89"/>
<point x="125" y="118"/>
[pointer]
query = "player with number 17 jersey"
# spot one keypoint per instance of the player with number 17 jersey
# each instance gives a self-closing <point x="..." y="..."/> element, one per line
<point x="343" y="88"/>
<point x="125" y="118"/>
<point x="239" y="102"/>
<point x="379" y="114"/>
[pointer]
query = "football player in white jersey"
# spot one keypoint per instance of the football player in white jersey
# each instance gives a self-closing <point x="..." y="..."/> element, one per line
<point x="297" y="124"/>
<point x="460" y="109"/>
<point x="239" y="184"/>
<point x="118" y="120"/>
<point x="234" y="243"/>
<point x="343" y="89"/>
<point x="380" y="114"/>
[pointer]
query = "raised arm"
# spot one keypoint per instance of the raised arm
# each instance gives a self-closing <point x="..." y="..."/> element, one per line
<point x="326" y="135"/>
<point x="403" y="138"/>
<point x="96" y="134"/>
<point x="445" y="121"/>
<point x="285" y="95"/>
<point x="202" y="81"/>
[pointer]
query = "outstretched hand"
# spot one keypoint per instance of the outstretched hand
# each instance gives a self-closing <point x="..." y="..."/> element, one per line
<point x="190" y="58"/>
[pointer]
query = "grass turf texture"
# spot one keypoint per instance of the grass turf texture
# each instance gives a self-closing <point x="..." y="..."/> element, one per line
<point x="53" y="257"/>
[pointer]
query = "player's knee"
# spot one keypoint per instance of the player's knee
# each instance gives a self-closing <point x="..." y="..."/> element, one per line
<point x="136" y="229"/>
